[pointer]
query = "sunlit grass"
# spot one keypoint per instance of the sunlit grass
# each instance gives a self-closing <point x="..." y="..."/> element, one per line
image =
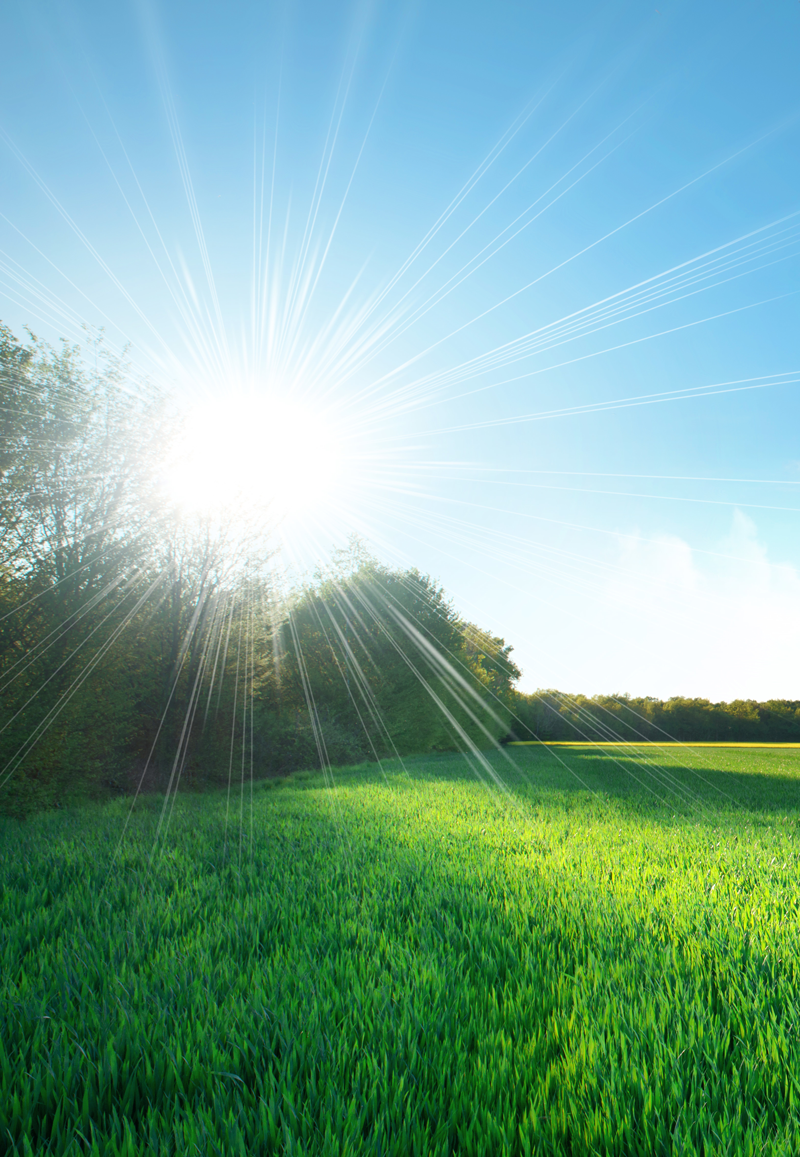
<point x="408" y="965"/>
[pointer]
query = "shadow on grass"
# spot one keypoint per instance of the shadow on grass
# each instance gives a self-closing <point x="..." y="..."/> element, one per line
<point x="679" y="780"/>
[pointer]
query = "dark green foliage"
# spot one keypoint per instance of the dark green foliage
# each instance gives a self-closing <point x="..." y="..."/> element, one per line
<point x="388" y="660"/>
<point x="555" y="715"/>
<point x="405" y="966"/>
<point x="76" y="570"/>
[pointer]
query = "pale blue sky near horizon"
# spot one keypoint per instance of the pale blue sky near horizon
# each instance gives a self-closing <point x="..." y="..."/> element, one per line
<point x="672" y="128"/>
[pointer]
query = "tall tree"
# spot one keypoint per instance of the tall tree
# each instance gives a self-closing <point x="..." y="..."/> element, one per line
<point x="79" y="515"/>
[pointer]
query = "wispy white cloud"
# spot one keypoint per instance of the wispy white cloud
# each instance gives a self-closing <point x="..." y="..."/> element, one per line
<point x="724" y="625"/>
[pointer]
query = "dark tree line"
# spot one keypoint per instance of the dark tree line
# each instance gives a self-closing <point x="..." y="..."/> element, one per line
<point x="139" y="648"/>
<point x="552" y="715"/>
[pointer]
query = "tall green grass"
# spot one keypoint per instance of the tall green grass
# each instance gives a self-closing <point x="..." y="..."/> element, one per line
<point x="411" y="964"/>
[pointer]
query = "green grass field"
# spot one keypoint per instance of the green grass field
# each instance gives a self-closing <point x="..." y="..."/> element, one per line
<point x="603" y="959"/>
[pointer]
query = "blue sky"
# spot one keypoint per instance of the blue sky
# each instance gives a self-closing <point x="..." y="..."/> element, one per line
<point x="625" y="141"/>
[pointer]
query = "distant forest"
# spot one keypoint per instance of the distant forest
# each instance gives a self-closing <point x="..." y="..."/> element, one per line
<point x="552" y="715"/>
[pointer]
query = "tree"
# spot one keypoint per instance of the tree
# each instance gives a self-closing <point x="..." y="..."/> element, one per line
<point x="381" y="655"/>
<point x="78" y="505"/>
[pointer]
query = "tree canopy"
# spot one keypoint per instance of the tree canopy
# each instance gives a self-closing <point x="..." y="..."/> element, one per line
<point x="553" y="715"/>
<point x="141" y="648"/>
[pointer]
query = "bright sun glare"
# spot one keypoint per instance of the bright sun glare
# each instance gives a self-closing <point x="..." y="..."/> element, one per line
<point x="245" y="455"/>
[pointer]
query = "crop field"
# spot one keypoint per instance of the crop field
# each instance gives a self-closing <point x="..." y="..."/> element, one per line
<point x="601" y="957"/>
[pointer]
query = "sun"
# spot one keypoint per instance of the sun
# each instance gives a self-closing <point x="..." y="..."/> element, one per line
<point x="254" y="456"/>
